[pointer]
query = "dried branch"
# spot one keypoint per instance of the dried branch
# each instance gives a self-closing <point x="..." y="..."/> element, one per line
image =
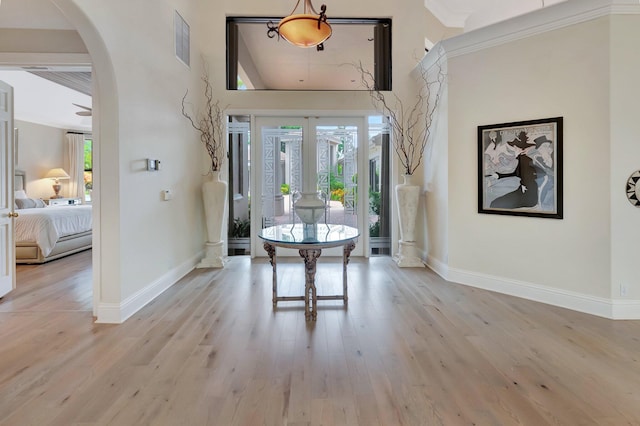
<point x="410" y="129"/>
<point x="210" y="124"/>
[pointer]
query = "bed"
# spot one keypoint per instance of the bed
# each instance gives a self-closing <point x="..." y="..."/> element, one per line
<point x="45" y="233"/>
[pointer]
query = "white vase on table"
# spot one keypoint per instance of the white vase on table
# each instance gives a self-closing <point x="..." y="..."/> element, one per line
<point x="310" y="207"/>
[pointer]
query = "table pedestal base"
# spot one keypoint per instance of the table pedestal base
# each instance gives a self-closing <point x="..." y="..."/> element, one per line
<point x="310" y="297"/>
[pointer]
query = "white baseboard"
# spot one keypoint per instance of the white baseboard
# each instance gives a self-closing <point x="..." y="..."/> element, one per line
<point x="599" y="306"/>
<point x="117" y="313"/>
<point x="438" y="267"/>
<point x="625" y="309"/>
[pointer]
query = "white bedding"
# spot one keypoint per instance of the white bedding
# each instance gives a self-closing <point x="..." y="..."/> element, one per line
<point x="45" y="226"/>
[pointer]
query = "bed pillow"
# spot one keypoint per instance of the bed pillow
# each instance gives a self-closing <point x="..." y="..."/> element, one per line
<point x="20" y="194"/>
<point x="29" y="203"/>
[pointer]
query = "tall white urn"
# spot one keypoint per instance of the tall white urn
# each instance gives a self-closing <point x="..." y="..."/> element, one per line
<point x="214" y="195"/>
<point x="407" y="197"/>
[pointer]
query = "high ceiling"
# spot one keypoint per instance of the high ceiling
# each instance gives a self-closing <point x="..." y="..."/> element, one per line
<point x="473" y="14"/>
<point x="279" y="66"/>
<point x="468" y="14"/>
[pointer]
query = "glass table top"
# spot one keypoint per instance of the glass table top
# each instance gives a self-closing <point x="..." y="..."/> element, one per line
<point x="302" y="234"/>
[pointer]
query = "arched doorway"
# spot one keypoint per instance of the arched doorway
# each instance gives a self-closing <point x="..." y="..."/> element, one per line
<point x="104" y="129"/>
<point x="104" y="111"/>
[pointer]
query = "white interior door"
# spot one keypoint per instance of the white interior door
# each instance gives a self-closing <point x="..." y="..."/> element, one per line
<point x="307" y="154"/>
<point x="7" y="245"/>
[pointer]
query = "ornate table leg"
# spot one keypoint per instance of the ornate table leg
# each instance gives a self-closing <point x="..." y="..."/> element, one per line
<point x="271" y="251"/>
<point x="348" y="248"/>
<point x="310" y="257"/>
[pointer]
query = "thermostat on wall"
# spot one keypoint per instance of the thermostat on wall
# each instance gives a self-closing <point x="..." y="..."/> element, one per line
<point x="153" y="165"/>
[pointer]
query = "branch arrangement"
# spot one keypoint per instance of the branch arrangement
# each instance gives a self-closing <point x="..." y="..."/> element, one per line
<point x="210" y="124"/>
<point x="411" y="128"/>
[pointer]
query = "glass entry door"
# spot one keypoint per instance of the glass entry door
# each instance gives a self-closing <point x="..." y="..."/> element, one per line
<point x="299" y="154"/>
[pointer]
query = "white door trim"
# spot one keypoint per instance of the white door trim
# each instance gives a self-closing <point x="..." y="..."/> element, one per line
<point x="7" y="234"/>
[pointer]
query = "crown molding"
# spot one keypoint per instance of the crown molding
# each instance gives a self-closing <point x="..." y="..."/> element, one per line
<point x="540" y="21"/>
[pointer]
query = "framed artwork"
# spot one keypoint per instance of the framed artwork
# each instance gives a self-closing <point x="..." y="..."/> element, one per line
<point x="520" y="168"/>
<point x="633" y="189"/>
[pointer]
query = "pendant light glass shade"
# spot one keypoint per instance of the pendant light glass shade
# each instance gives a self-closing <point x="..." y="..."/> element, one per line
<point x="302" y="30"/>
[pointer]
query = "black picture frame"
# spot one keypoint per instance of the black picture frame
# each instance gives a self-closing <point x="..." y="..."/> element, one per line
<point x="520" y="168"/>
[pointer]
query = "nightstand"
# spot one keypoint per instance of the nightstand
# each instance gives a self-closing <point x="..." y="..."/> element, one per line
<point x="63" y="201"/>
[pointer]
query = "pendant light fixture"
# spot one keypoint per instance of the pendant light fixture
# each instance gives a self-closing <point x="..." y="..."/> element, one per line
<point x="304" y="29"/>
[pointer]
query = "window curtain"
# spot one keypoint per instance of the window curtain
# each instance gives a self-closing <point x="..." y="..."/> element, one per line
<point x="75" y="153"/>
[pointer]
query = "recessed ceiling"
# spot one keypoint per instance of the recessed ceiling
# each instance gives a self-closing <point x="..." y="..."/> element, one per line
<point x="274" y="64"/>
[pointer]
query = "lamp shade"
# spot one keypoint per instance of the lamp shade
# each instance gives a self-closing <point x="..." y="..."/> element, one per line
<point x="57" y="173"/>
<point x="304" y="30"/>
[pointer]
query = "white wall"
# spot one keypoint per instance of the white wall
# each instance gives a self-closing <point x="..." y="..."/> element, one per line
<point x="584" y="71"/>
<point x="434" y="215"/>
<point x="537" y="77"/>
<point x="141" y="85"/>
<point x="40" y="149"/>
<point x="32" y="14"/>
<point x="625" y="154"/>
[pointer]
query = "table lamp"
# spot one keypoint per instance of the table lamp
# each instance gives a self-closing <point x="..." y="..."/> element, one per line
<point x="56" y="175"/>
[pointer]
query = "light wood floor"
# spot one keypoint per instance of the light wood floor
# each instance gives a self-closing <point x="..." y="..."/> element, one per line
<point x="410" y="349"/>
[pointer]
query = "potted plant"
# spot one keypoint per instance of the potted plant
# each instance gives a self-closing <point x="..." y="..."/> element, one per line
<point x="211" y="126"/>
<point x="240" y="236"/>
<point x="410" y="131"/>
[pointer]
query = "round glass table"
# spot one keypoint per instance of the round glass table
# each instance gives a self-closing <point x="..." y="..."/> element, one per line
<point x="309" y="240"/>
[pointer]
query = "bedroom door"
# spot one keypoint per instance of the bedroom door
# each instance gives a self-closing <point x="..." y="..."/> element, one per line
<point x="7" y="245"/>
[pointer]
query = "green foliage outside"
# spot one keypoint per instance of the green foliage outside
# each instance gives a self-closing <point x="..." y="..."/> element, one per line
<point x="88" y="154"/>
<point x="337" y="195"/>
<point x="374" y="229"/>
<point x="374" y="208"/>
<point x="241" y="228"/>
<point x="336" y="187"/>
<point x="88" y="167"/>
<point x="374" y="202"/>
<point x="335" y="182"/>
<point x="285" y="189"/>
